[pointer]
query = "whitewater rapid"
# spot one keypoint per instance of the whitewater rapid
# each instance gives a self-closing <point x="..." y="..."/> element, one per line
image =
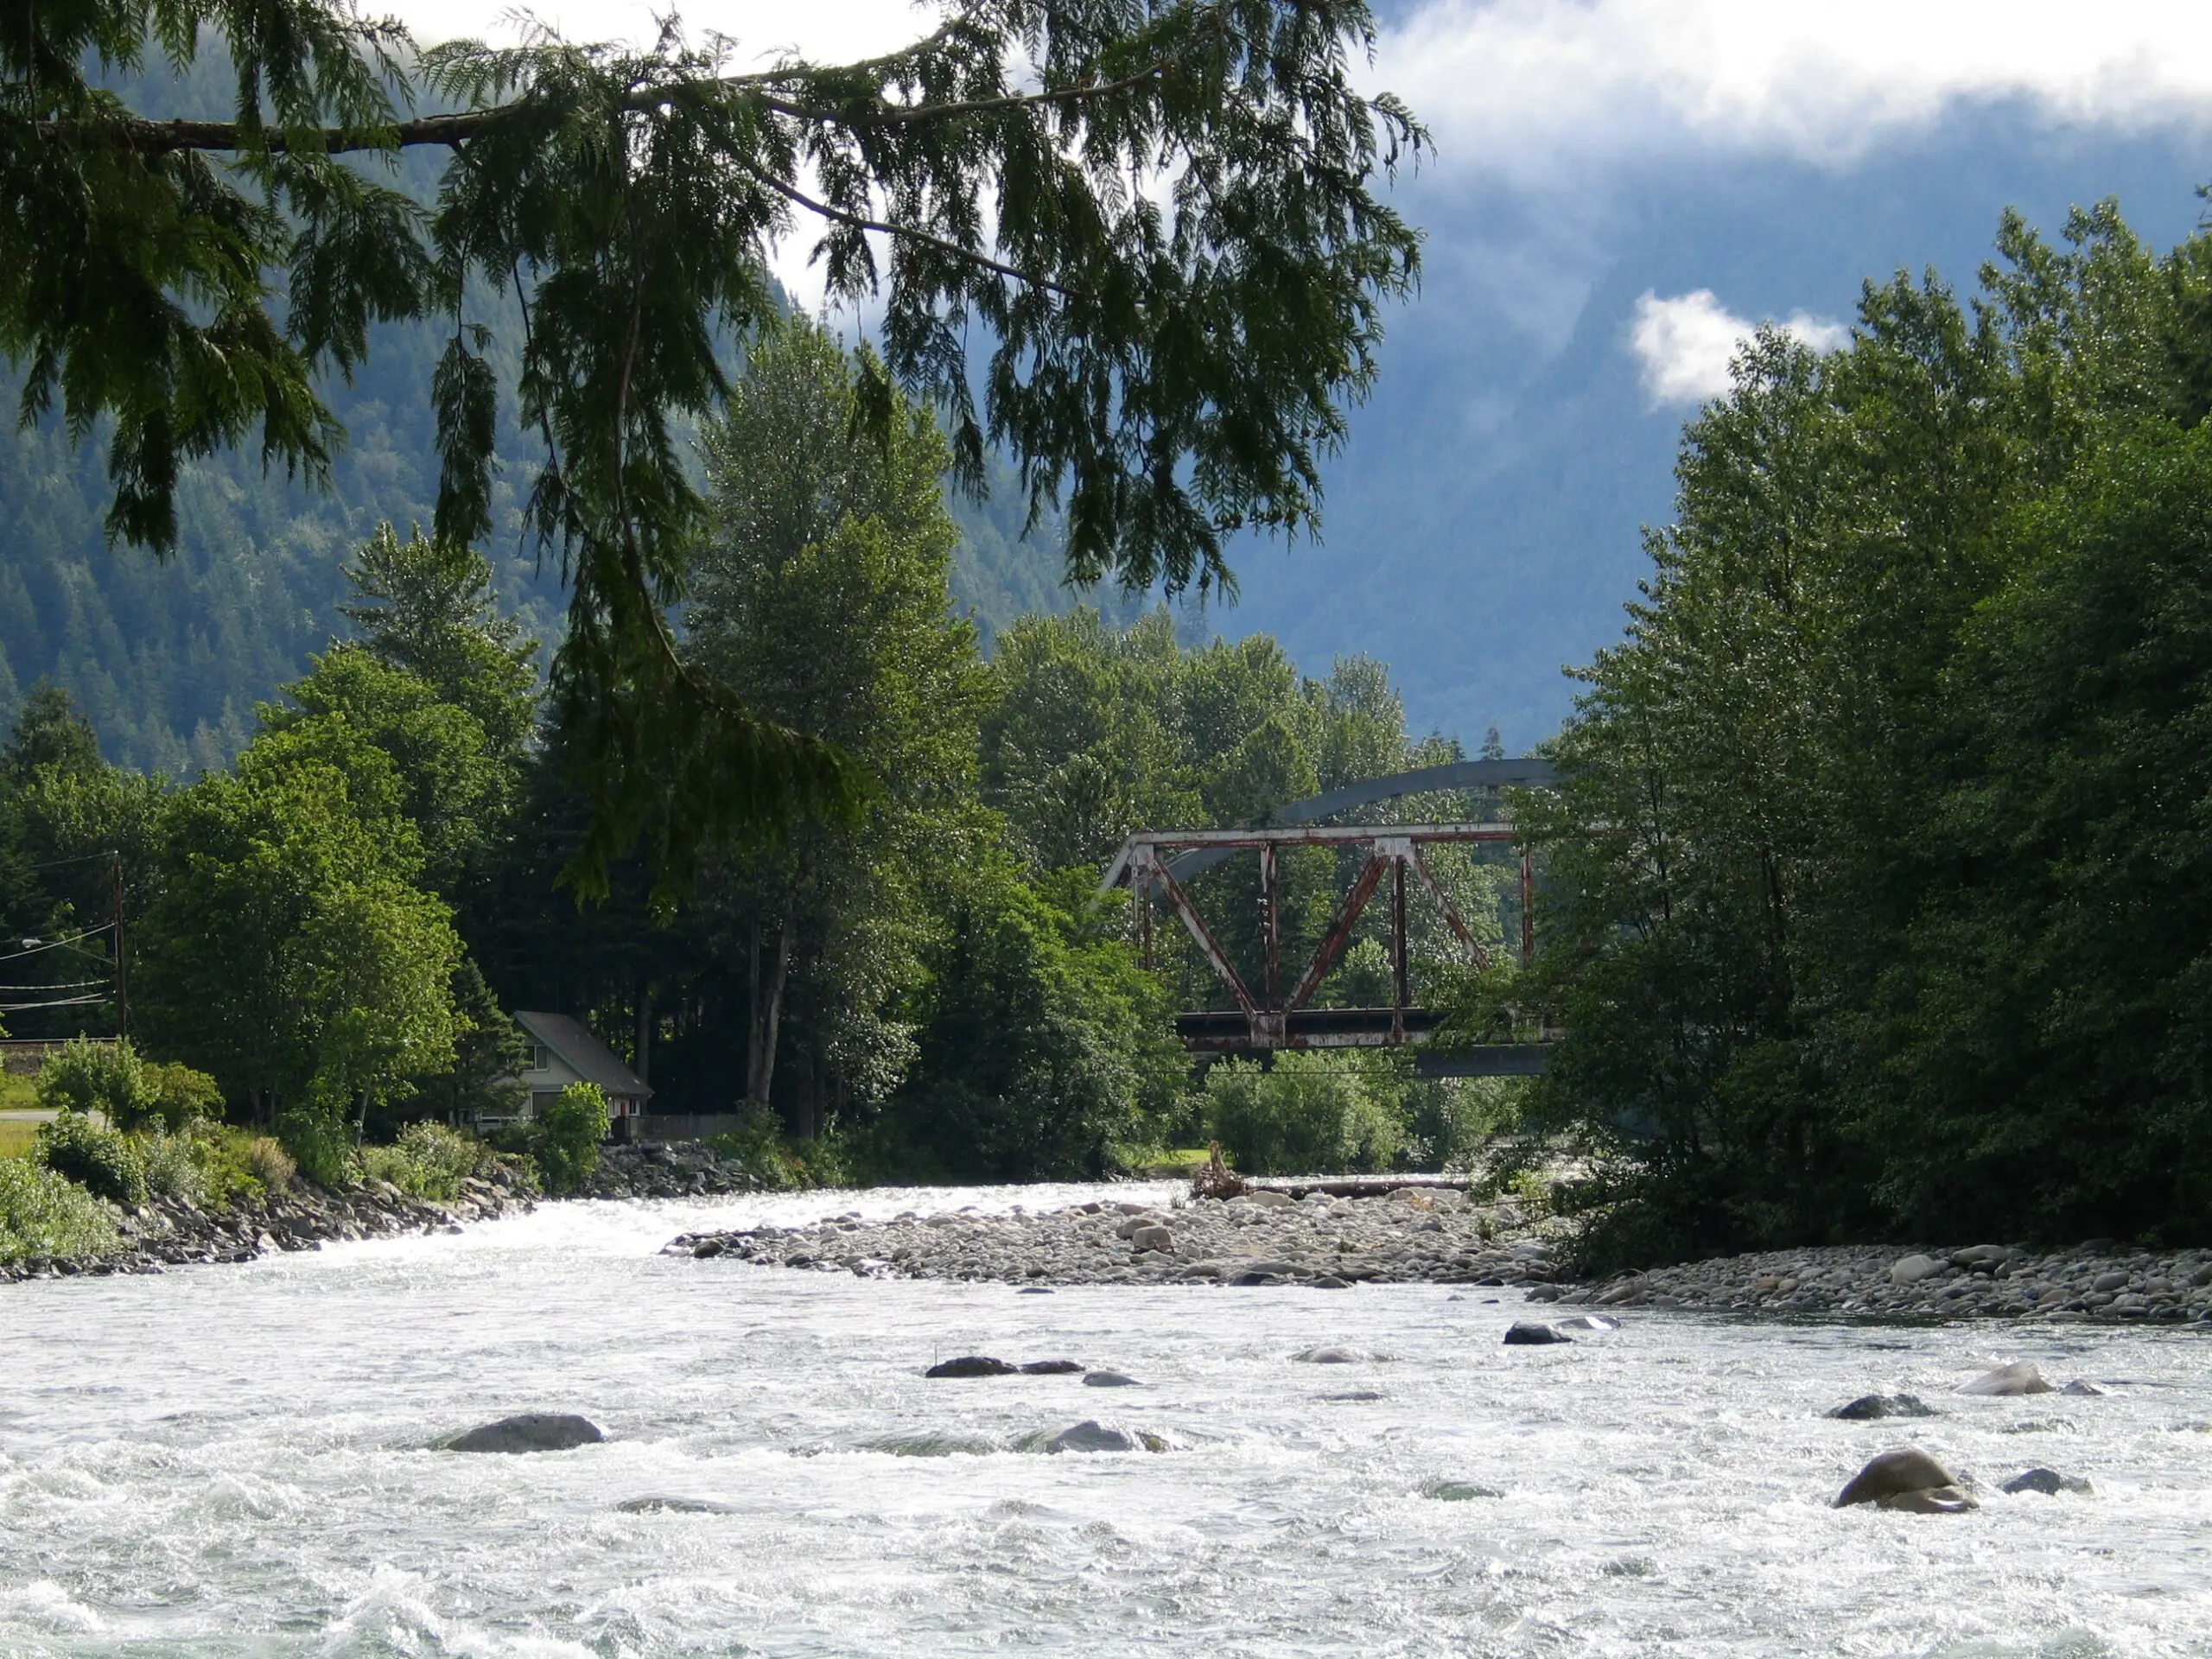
<point x="240" y="1461"/>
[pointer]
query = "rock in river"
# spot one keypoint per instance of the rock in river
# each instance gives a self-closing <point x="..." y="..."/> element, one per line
<point x="532" y="1431"/>
<point x="660" y="1505"/>
<point x="2049" y="1482"/>
<point x="972" y="1366"/>
<point x="1333" y="1356"/>
<point x="1050" y="1367"/>
<point x="2020" y="1377"/>
<point x="1908" y="1480"/>
<point x="1090" y="1435"/>
<point x="1530" y="1333"/>
<point x="1588" y="1322"/>
<point x="1872" y="1408"/>
<point x="1109" y="1380"/>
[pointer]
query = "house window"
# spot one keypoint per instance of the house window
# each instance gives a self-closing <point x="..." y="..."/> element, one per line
<point x="541" y="1099"/>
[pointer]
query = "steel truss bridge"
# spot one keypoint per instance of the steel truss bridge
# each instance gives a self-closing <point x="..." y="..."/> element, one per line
<point x="1157" y="866"/>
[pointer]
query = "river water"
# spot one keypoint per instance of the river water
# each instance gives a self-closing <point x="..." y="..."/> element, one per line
<point x="237" y="1460"/>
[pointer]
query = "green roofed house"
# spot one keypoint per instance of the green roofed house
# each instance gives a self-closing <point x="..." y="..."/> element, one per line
<point x="564" y="1051"/>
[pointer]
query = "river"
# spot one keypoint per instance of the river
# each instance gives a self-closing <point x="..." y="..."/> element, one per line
<point x="237" y="1460"/>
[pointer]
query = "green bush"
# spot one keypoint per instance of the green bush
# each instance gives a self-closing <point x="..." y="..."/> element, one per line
<point x="1309" y="1114"/>
<point x="176" y="1166"/>
<point x="565" y="1137"/>
<point x="86" y="1077"/>
<point x="758" y="1143"/>
<point x="183" y="1098"/>
<point x="319" y="1143"/>
<point x="43" y="1214"/>
<point x="429" y="1160"/>
<point x="104" y="1161"/>
<point x="261" y="1158"/>
<point x="444" y="1157"/>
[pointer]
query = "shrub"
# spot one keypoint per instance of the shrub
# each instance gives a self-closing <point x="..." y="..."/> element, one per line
<point x="1309" y="1114"/>
<point x="387" y="1164"/>
<point x="104" y="1161"/>
<point x="43" y="1214"/>
<point x="320" y="1144"/>
<point x="443" y="1157"/>
<point x="264" y="1159"/>
<point x="758" y="1143"/>
<point x="564" y="1136"/>
<point x="176" y="1166"/>
<point x="109" y="1078"/>
<point x="183" y="1098"/>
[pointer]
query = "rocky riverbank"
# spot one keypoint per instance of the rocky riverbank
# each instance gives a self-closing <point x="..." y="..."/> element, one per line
<point x="1437" y="1236"/>
<point x="1429" y="1233"/>
<point x="166" y="1232"/>
<point x="2099" y="1280"/>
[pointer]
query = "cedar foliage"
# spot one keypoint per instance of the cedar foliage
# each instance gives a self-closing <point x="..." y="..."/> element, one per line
<point x="1169" y="365"/>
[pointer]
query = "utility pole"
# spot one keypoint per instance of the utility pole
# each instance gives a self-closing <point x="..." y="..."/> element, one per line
<point x="122" y="974"/>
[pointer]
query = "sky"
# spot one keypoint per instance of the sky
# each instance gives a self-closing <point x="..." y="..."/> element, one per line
<point x="1550" y="96"/>
<point x="1603" y="176"/>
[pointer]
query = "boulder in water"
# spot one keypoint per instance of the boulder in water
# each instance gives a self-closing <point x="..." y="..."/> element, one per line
<point x="1531" y="1333"/>
<point x="530" y="1431"/>
<point x="1907" y="1480"/>
<point x="2049" y="1482"/>
<point x="1588" y="1322"/>
<point x="1458" y="1491"/>
<point x="2081" y="1385"/>
<point x="1333" y="1356"/>
<point x="1050" y="1367"/>
<point x="2020" y="1377"/>
<point x="1090" y="1435"/>
<point x="932" y="1445"/>
<point x="1872" y="1408"/>
<point x="1109" y="1380"/>
<point x="971" y="1365"/>
<point x="658" y="1505"/>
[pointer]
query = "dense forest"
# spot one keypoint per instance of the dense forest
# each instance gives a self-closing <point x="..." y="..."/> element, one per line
<point x="331" y="925"/>
<point x="1879" y="897"/>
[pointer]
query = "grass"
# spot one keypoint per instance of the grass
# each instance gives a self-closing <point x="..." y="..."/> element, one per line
<point x="16" y="1139"/>
<point x="17" y="1093"/>
<point x="1180" y="1161"/>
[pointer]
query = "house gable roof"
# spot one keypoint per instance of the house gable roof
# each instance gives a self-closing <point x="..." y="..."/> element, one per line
<point x="583" y="1053"/>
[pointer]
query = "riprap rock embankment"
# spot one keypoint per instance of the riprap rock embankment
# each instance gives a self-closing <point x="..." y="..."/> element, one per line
<point x="166" y="1232"/>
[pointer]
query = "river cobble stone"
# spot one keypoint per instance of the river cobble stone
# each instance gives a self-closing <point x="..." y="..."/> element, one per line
<point x="2099" y="1283"/>
<point x="1429" y="1235"/>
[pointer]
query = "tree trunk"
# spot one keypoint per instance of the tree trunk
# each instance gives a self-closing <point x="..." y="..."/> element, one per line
<point x="644" y="1067"/>
<point x="767" y="1009"/>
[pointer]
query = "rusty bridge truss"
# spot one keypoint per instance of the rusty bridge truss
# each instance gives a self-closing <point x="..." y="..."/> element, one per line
<point x="1158" y="865"/>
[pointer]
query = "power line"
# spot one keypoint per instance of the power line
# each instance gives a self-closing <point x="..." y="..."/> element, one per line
<point x="62" y="985"/>
<point x="56" y="944"/>
<point x="56" y="863"/>
<point x="60" y="1003"/>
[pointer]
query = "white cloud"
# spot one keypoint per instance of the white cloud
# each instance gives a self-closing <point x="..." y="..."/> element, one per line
<point x="1684" y="344"/>
<point x="1535" y="88"/>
